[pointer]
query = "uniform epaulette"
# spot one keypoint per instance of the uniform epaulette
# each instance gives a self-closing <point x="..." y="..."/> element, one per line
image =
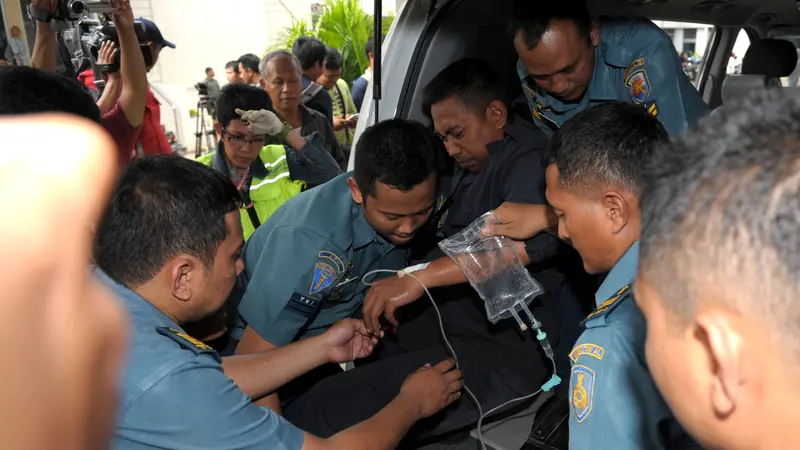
<point x="607" y="306"/>
<point x="187" y="342"/>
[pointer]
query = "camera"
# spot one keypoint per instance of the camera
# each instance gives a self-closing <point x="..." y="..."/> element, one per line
<point x="75" y="9"/>
<point x="80" y="45"/>
<point x="202" y="89"/>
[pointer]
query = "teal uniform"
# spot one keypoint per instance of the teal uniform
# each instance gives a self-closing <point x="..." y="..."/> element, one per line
<point x="634" y="62"/>
<point x="613" y="400"/>
<point x="304" y="266"/>
<point x="175" y="395"/>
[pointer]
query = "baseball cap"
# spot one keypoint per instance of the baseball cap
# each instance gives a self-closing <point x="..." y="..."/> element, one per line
<point x="152" y="33"/>
<point x="146" y="31"/>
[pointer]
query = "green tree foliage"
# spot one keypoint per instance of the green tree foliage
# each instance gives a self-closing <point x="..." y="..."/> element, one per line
<point x="344" y="26"/>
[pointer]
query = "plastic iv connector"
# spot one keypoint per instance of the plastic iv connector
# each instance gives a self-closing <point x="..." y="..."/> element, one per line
<point x="495" y="271"/>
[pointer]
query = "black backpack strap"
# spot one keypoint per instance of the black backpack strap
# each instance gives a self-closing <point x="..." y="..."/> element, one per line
<point x="251" y="211"/>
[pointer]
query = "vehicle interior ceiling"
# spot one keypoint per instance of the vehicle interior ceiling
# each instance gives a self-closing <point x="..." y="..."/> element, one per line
<point x="467" y="28"/>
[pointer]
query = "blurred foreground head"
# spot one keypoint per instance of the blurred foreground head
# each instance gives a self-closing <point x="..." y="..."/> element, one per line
<point x="719" y="276"/>
<point x="58" y="389"/>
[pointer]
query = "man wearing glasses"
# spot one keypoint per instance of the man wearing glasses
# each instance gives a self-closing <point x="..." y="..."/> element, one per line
<point x="265" y="175"/>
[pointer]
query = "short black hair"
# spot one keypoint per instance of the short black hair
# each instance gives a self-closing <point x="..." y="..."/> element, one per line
<point x="241" y="96"/>
<point x="369" y="47"/>
<point x="721" y="216"/>
<point x="25" y="90"/>
<point x="606" y="144"/>
<point x="471" y="81"/>
<point x="250" y="61"/>
<point x="333" y="59"/>
<point x="233" y="65"/>
<point x="163" y="206"/>
<point x="309" y="51"/>
<point x="533" y="18"/>
<point x="276" y="54"/>
<point x="209" y="69"/>
<point x="398" y="153"/>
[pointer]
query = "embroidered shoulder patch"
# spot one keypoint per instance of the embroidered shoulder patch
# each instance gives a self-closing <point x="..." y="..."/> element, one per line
<point x="333" y="259"/>
<point x="610" y="302"/>
<point x="595" y="351"/>
<point x="638" y="63"/>
<point x="324" y="275"/>
<point x="184" y="340"/>
<point x="582" y="391"/>
<point x="638" y="85"/>
<point x="652" y="108"/>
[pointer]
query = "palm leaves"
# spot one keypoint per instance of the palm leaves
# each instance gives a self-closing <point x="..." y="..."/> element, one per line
<point x="344" y="26"/>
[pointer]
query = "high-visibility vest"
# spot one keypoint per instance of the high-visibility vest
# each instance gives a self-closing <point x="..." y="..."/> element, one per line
<point x="266" y="194"/>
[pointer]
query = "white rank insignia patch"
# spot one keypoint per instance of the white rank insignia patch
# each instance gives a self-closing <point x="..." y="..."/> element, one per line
<point x="582" y="391"/>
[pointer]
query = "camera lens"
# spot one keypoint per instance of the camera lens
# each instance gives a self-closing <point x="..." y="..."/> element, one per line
<point x="77" y="7"/>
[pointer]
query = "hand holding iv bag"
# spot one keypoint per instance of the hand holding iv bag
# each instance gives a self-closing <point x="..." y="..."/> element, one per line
<point x="494" y="270"/>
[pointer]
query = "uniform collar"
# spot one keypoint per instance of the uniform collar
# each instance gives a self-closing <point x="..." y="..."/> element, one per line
<point x="257" y="168"/>
<point x="621" y="274"/>
<point x="363" y="233"/>
<point x="600" y="86"/>
<point x="139" y="308"/>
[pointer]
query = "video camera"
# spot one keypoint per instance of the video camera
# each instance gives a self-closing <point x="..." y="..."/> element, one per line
<point x="80" y="36"/>
<point x="76" y="9"/>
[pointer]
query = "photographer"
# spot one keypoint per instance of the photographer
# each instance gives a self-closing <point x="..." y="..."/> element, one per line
<point x="125" y="118"/>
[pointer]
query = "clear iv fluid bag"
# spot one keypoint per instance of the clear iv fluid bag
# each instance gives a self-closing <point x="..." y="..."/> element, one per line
<point x="493" y="268"/>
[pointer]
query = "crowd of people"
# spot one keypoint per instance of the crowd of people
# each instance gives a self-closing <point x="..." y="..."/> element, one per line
<point x="224" y="294"/>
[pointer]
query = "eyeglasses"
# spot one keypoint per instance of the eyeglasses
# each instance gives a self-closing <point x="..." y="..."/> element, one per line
<point x="240" y="140"/>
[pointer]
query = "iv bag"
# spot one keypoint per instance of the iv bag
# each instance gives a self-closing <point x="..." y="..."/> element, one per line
<point x="493" y="268"/>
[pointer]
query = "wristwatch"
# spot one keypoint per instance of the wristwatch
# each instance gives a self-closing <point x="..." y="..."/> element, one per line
<point x="40" y="15"/>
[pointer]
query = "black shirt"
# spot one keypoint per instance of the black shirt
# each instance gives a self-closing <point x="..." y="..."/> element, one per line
<point x="515" y="173"/>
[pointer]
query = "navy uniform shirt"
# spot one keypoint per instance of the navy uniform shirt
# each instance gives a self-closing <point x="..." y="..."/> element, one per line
<point x="175" y="394"/>
<point x="304" y="266"/>
<point x="634" y="62"/>
<point x="613" y="400"/>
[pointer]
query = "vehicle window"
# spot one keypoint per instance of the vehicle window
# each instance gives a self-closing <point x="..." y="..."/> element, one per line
<point x="737" y="54"/>
<point x="743" y="43"/>
<point x="691" y="41"/>
<point x="793" y="80"/>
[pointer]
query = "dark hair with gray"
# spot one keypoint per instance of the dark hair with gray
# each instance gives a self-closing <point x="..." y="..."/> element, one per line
<point x="606" y="144"/>
<point x="163" y="206"/>
<point x="471" y="81"/>
<point x="533" y="18"/>
<point x="721" y="215"/>
<point x="277" y="54"/>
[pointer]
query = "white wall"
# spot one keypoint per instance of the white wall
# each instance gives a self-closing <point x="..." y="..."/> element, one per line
<point x="209" y="33"/>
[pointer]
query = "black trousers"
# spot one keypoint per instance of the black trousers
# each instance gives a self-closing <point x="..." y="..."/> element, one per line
<point x="499" y="364"/>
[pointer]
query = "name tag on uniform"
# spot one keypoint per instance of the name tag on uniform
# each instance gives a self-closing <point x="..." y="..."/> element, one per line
<point x="302" y="305"/>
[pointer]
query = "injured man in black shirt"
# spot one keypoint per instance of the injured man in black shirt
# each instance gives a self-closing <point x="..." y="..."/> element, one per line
<point x="500" y="159"/>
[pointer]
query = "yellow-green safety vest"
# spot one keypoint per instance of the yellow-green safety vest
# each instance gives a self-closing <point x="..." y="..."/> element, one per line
<point x="268" y="193"/>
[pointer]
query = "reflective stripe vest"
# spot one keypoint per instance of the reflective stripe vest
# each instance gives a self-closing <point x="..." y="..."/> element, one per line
<point x="266" y="193"/>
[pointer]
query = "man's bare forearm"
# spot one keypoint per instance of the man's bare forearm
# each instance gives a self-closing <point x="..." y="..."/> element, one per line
<point x="445" y="272"/>
<point x="110" y="95"/>
<point x="441" y="272"/>
<point x="382" y="431"/>
<point x="260" y="374"/>
<point x="134" y="76"/>
<point x="43" y="56"/>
